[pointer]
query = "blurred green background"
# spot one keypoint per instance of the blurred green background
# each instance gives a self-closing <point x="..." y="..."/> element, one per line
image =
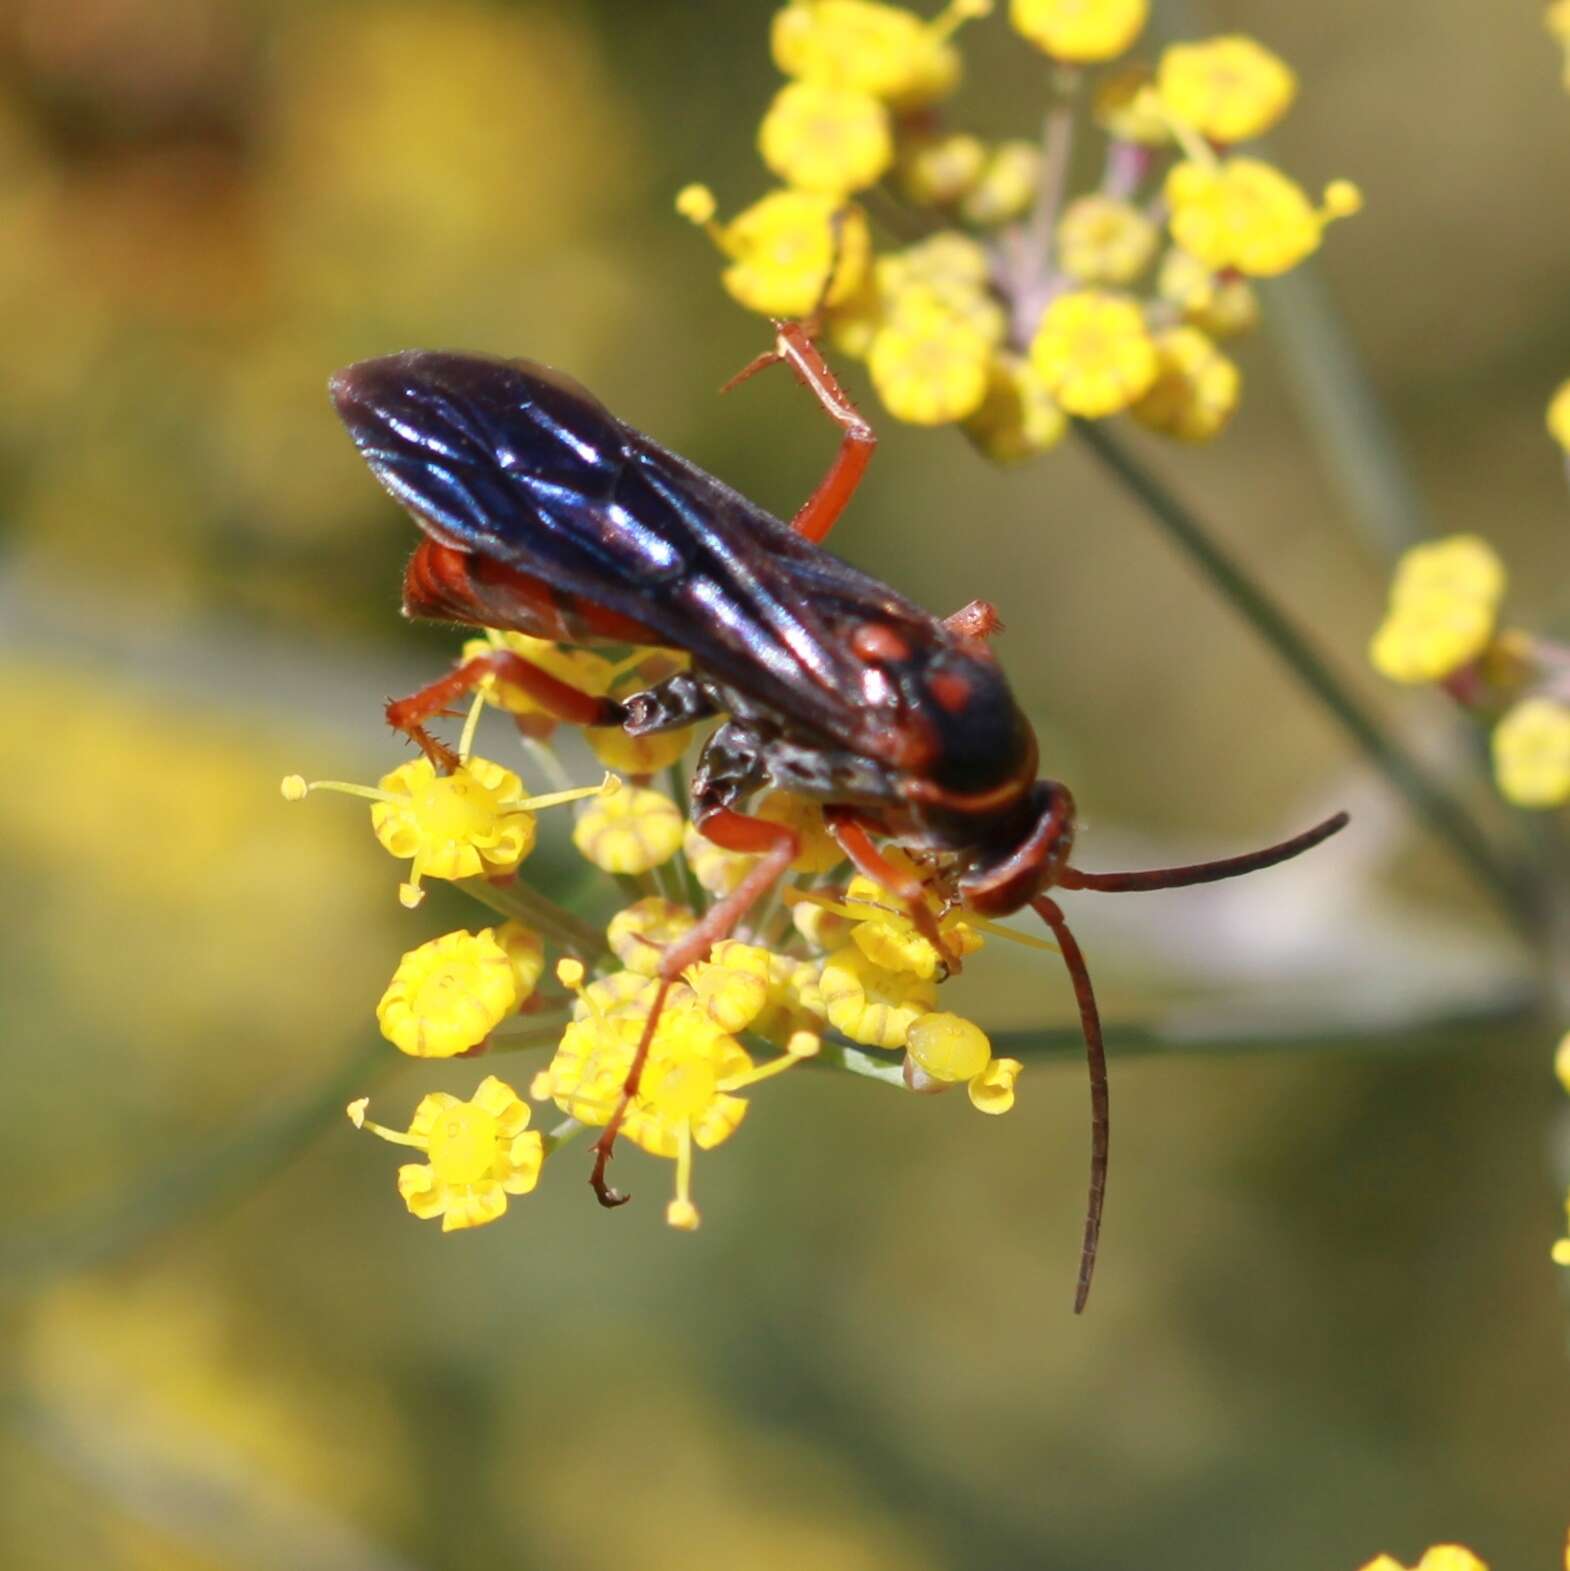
<point x="1325" y="1321"/>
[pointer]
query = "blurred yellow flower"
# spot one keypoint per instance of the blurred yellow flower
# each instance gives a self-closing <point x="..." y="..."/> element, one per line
<point x="1104" y="241"/>
<point x="1531" y="748"/>
<point x="820" y="852"/>
<point x="448" y="995"/>
<point x="1126" y="107"/>
<point x="834" y="140"/>
<point x="478" y="1152"/>
<point x="1018" y="418"/>
<point x="782" y="247"/>
<point x="579" y="668"/>
<point x="1092" y="352"/>
<point x="526" y="950"/>
<point x="1442" y="1557"/>
<point x="874" y="48"/>
<point x="1080" y="32"/>
<point x="939" y="170"/>
<point x="1196" y="388"/>
<point x="1559" y="416"/>
<point x="1443" y="602"/>
<point x="1006" y="186"/>
<point x="1223" y="305"/>
<point x="631" y="832"/>
<point x="1228" y="89"/>
<point x="639" y="934"/>
<point x="928" y="363"/>
<point x="869" y="1004"/>
<point x="1246" y="214"/>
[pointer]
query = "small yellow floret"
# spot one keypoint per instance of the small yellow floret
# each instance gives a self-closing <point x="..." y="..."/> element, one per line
<point x="637" y="755"/>
<point x="1223" y="305"/>
<point x="1195" y="391"/>
<point x="817" y="137"/>
<point x="1531" y="748"/>
<point x="1080" y="32"/>
<point x="782" y="247"/>
<point x="1562" y="1061"/>
<point x="448" y="995"/>
<point x="948" y="1048"/>
<point x="940" y="170"/>
<point x="1006" y="187"/>
<point x="716" y="869"/>
<point x="1245" y="214"/>
<point x="1126" y="107"/>
<point x="869" y="1004"/>
<point x="1104" y="241"/>
<point x="526" y="950"/>
<point x="1228" y="89"/>
<point x="1093" y="353"/>
<point x="1442" y="1557"/>
<point x="294" y="788"/>
<point x="579" y="668"/>
<point x="1558" y="428"/>
<point x="1443" y="603"/>
<point x="1018" y="418"/>
<point x="820" y="852"/>
<point x="478" y="1153"/>
<point x="696" y="204"/>
<point x="733" y="986"/>
<point x="630" y="832"/>
<point x="992" y="1091"/>
<point x="639" y="934"/>
<point x="928" y="363"/>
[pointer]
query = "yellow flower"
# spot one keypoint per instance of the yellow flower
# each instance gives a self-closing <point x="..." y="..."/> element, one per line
<point x="1228" y="89"/>
<point x="1223" y="305"/>
<point x="992" y="1091"/>
<point x="939" y="170"/>
<point x="1442" y="1557"/>
<point x="820" y="851"/>
<point x="879" y="49"/>
<point x="1531" y="747"/>
<point x="1562" y="1061"/>
<point x="1092" y="352"/>
<point x="733" y="984"/>
<point x="1104" y="241"/>
<point x="1018" y="418"/>
<point x="448" y="995"/>
<point x="1443" y="602"/>
<point x="1560" y="1255"/>
<point x="526" y="950"/>
<point x="1007" y="185"/>
<point x="580" y="668"/>
<point x="948" y="259"/>
<point x="475" y="821"/>
<point x="823" y="929"/>
<point x="639" y="934"/>
<point x="886" y="935"/>
<point x="869" y="1004"/>
<point x="1556" y="18"/>
<point x="818" y="137"/>
<point x="686" y="1095"/>
<point x="637" y="755"/>
<point x="1244" y="213"/>
<point x="782" y="247"/>
<point x="478" y="1152"/>
<point x="1559" y="416"/>
<point x="1126" y="107"/>
<point x="1080" y="32"/>
<point x="928" y="363"/>
<point x="1196" y="388"/>
<point x="716" y="869"/>
<point x="630" y="832"/>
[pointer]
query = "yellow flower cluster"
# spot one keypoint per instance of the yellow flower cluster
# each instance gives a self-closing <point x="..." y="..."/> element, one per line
<point x="1441" y="627"/>
<point x="831" y="962"/>
<point x="1442" y="1557"/>
<point x="1028" y="305"/>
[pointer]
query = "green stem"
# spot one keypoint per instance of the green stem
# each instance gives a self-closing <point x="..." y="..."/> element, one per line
<point x="1432" y="801"/>
<point x="529" y="906"/>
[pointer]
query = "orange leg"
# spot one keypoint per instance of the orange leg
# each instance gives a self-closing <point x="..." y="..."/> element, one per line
<point x="776" y="847"/>
<point x="870" y="862"/>
<point x="793" y="344"/>
<point x="563" y="700"/>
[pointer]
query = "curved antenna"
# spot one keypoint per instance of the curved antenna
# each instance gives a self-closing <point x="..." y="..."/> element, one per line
<point x="1204" y="872"/>
<point x="1100" y="1100"/>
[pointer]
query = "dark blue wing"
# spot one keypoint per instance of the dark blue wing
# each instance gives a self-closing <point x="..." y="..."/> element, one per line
<point x="520" y="463"/>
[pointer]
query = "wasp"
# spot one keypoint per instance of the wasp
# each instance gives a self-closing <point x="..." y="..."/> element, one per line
<point x="542" y="513"/>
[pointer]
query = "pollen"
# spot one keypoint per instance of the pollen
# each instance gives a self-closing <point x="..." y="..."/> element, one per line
<point x="1228" y="89"/>
<point x="1080" y="32"/>
<point x="1093" y="353"/>
<point x="631" y="832"/>
<point x="448" y="995"/>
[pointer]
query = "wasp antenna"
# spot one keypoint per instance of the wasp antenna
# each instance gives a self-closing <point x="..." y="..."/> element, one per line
<point x="1204" y="872"/>
<point x="1100" y="1098"/>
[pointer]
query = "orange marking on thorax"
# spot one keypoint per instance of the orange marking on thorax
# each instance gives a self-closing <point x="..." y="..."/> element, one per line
<point x="873" y="641"/>
<point x="950" y="689"/>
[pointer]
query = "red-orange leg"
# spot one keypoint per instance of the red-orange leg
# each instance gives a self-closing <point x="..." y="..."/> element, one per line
<point x="793" y="344"/>
<point x="776" y="846"/>
<point x="560" y="698"/>
<point x="853" y="839"/>
<point x="1100" y="1099"/>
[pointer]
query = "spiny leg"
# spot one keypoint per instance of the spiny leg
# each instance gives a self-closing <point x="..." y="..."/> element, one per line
<point x="776" y="846"/>
<point x="559" y="698"/>
<point x="793" y="344"/>
<point x="1100" y="1098"/>
<point x="1204" y="872"/>
<point x="852" y="837"/>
